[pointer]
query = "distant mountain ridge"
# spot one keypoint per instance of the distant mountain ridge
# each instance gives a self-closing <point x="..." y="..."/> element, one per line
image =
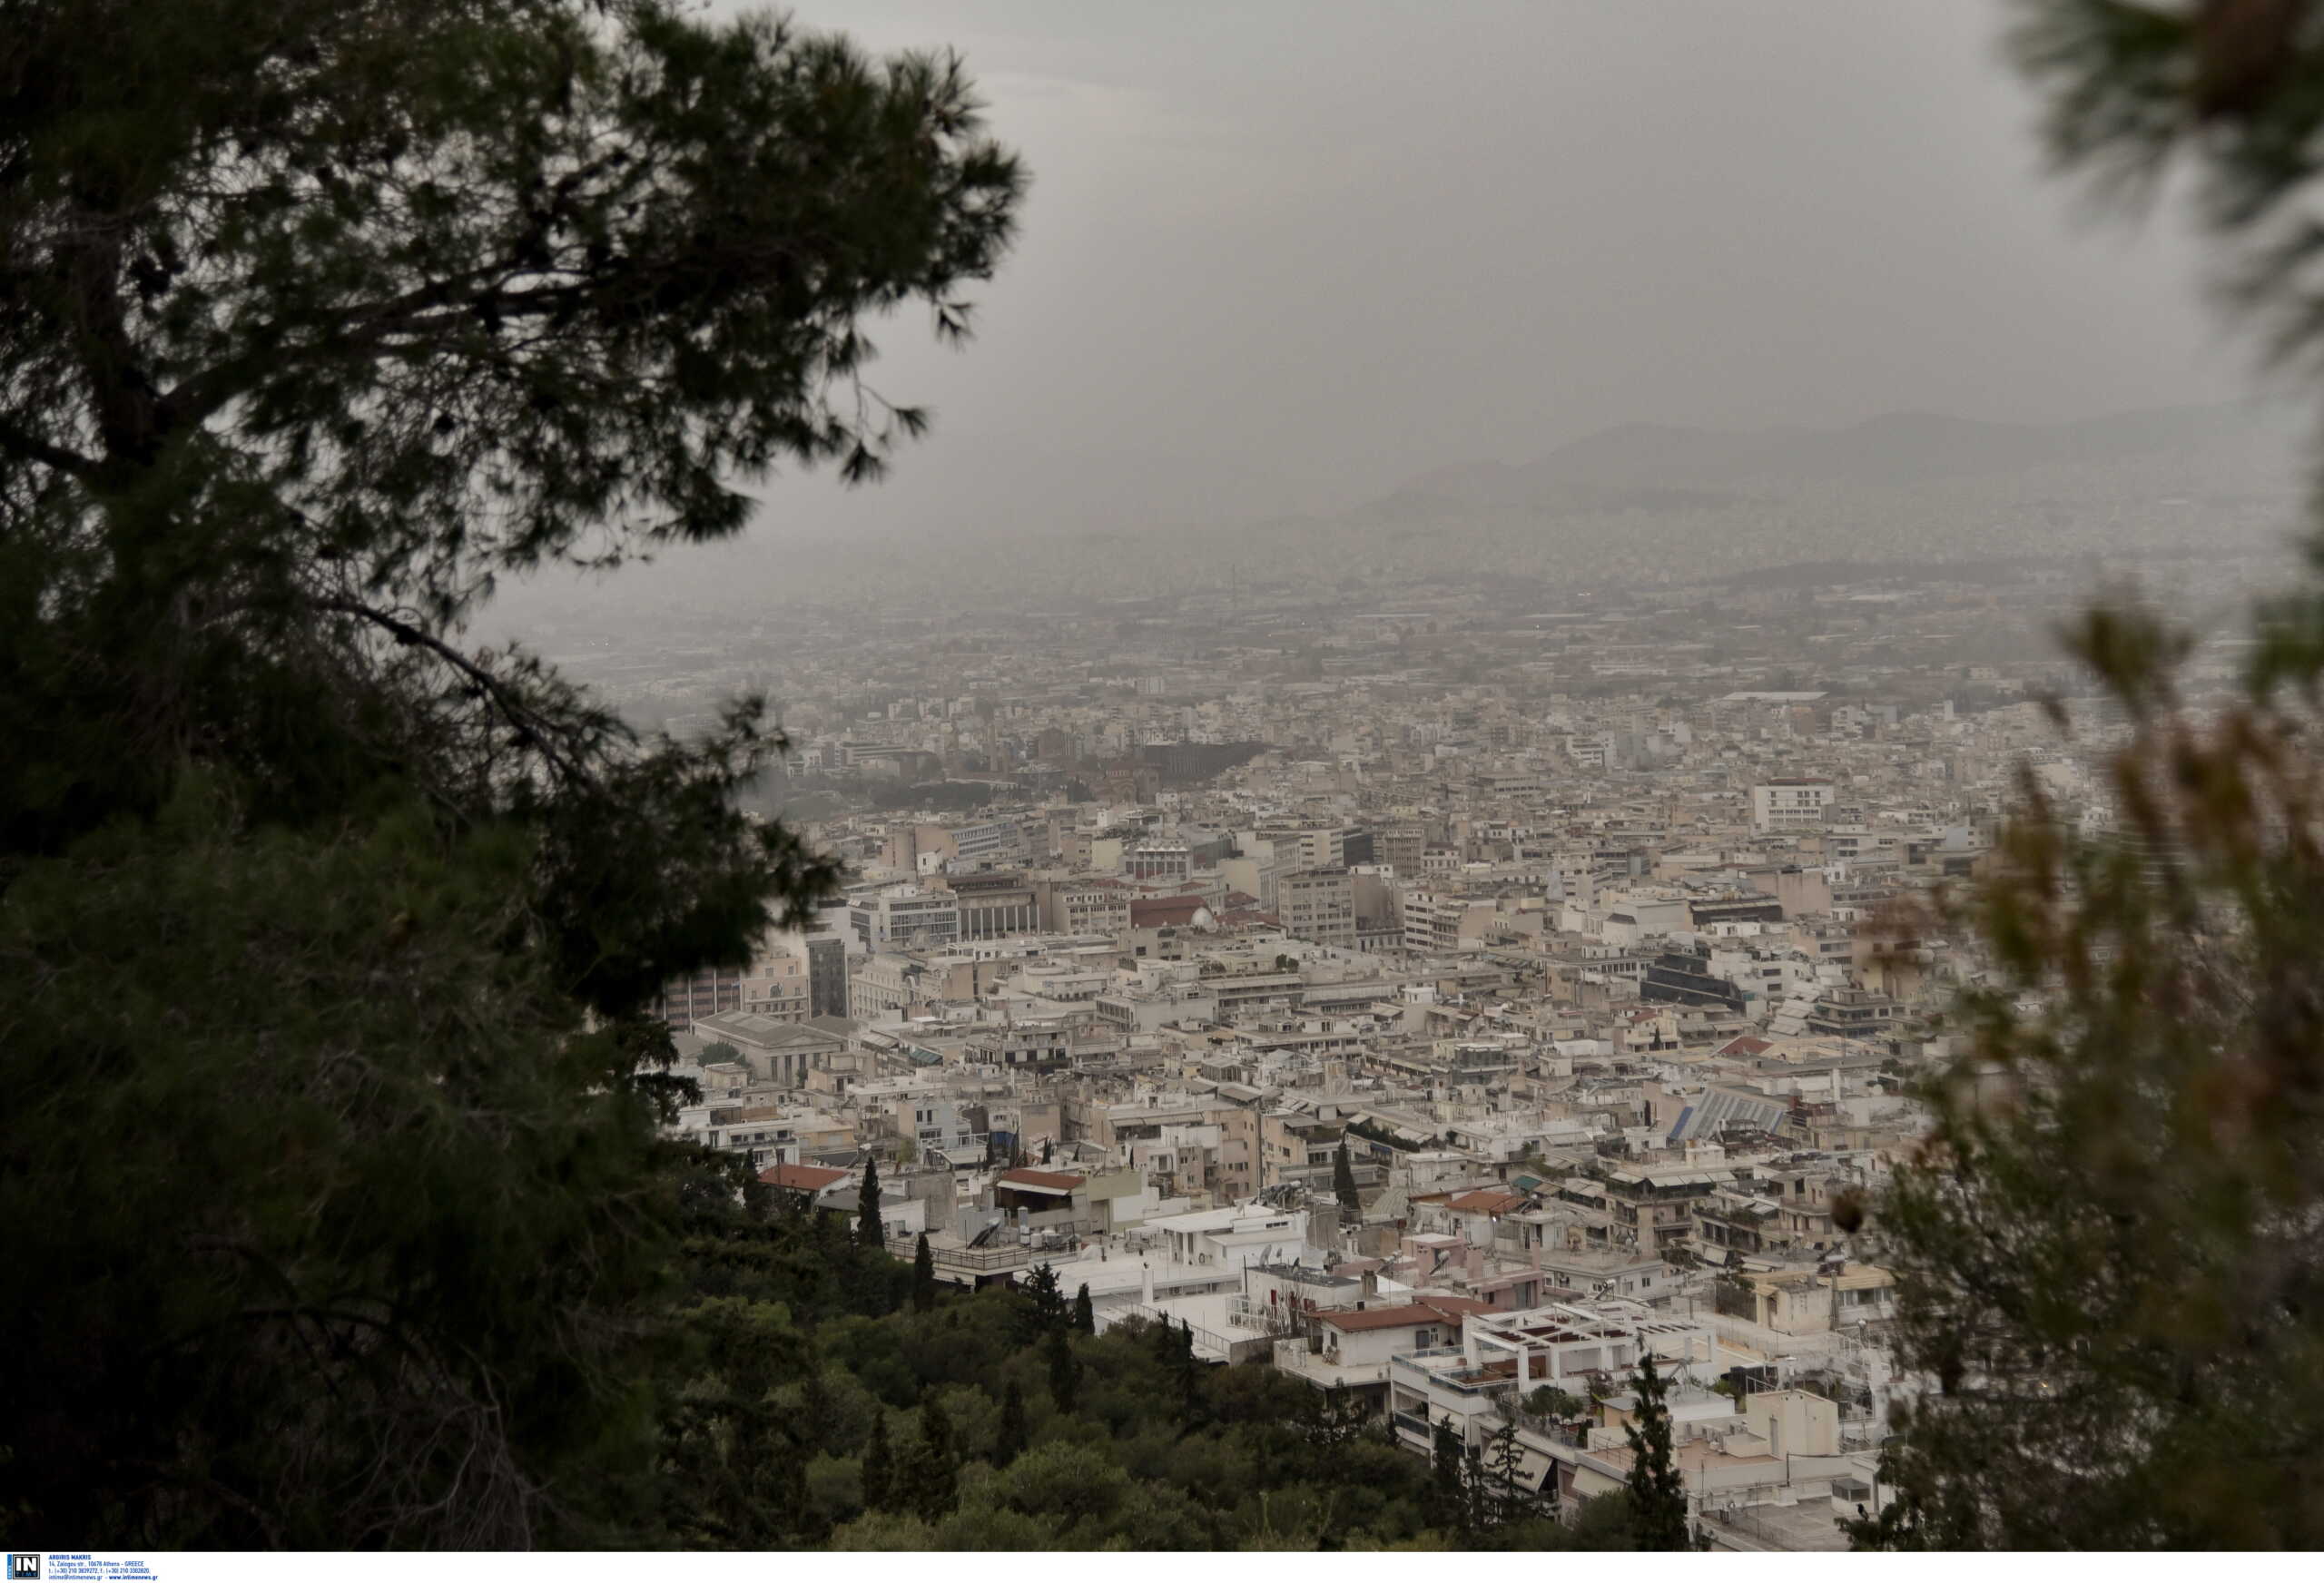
<point x="1898" y="449"/>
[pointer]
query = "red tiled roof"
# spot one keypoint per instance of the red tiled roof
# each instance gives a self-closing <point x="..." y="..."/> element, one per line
<point x="1485" y="1201"/>
<point x="1403" y="1314"/>
<point x="1428" y="1310"/>
<point x="1745" y="1045"/>
<point x="802" y="1178"/>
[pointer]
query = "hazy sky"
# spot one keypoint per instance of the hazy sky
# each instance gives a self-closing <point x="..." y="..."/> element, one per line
<point x="1284" y="255"/>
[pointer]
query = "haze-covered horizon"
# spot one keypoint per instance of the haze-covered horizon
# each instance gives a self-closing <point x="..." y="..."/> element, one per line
<point x="1282" y="259"/>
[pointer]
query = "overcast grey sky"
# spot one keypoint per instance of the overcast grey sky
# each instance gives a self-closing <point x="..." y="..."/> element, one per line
<point x="1284" y="255"/>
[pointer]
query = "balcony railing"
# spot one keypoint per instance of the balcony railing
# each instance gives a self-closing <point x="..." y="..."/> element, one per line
<point x="1011" y="1255"/>
<point x="1203" y="1335"/>
<point x="1462" y="1381"/>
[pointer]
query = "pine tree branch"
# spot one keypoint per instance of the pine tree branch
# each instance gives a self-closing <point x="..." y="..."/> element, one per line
<point x="526" y="724"/>
<point x="33" y="448"/>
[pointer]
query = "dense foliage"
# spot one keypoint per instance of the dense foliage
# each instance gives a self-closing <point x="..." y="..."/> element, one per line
<point x="2111" y="1254"/>
<point x="323" y="936"/>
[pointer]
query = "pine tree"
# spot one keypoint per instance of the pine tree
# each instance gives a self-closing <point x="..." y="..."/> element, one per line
<point x="1343" y="1185"/>
<point x="1065" y="1372"/>
<point x="924" y="1276"/>
<point x="1657" y="1490"/>
<point x="318" y="318"/>
<point x="1015" y="1436"/>
<point x="868" y="1231"/>
<point x="2106" y="1251"/>
<point x="878" y="1466"/>
<point x="1085" y="1313"/>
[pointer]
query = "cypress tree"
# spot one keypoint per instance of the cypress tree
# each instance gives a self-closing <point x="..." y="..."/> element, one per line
<point x="1657" y="1490"/>
<point x="1064" y="1371"/>
<point x="1444" y="1503"/>
<point x="1343" y="1185"/>
<point x="924" y="1276"/>
<point x="936" y="1468"/>
<point x="792" y="1509"/>
<point x="869" y="1233"/>
<point x="814" y="1412"/>
<point x="1085" y="1314"/>
<point x="1513" y="1503"/>
<point x="1015" y="1435"/>
<point x="1477" y="1504"/>
<point x="1189" y="1372"/>
<point x="879" y="1466"/>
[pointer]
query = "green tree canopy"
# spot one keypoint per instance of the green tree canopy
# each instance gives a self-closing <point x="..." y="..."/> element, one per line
<point x="316" y="316"/>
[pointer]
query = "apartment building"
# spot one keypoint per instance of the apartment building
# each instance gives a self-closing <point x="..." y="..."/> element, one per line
<point x="1085" y="907"/>
<point x="994" y="905"/>
<point x="1319" y="905"/>
<point x="703" y="994"/>
<point x="907" y="915"/>
<point x="776" y="986"/>
<point x="1796" y="803"/>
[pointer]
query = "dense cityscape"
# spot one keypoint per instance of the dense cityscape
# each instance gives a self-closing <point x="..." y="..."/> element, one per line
<point x="1443" y="999"/>
<point x="1570" y="801"/>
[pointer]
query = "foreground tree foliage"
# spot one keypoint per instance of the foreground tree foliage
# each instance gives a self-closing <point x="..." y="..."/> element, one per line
<point x="2108" y="1252"/>
<point x="323" y="937"/>
<point x="2111" y="1254"/>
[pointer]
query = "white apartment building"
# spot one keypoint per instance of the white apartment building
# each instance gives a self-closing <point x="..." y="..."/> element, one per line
<point x="906" y="915"/>
<point x="1794" y="804"/>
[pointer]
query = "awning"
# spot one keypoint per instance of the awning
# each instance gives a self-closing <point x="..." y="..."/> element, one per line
<point x="1532" y="1467"/>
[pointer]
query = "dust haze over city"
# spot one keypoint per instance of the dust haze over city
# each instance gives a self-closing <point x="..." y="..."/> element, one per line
<point x="1574" y="801"/>
<point x="1546" y="296"/>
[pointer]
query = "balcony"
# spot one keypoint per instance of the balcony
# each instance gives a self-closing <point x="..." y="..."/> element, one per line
<point x="1324" y="1371"/>
<point x="1445" y="1369"/>
<point x="967" y="1266"/>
